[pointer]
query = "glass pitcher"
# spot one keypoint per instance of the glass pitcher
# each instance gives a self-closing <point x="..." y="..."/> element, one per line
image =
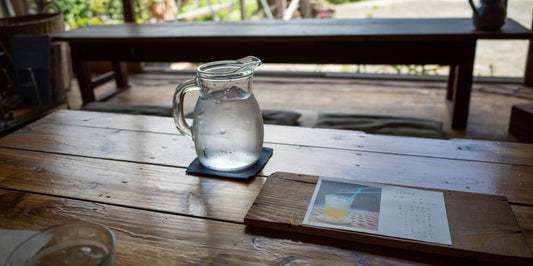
<point x="227" y="127"/>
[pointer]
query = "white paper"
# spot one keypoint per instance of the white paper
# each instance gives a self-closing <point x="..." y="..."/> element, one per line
<point x="380" y="209"/>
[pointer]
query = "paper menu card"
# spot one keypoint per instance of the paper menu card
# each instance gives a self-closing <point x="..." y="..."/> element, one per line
<point x="379" y="209"/>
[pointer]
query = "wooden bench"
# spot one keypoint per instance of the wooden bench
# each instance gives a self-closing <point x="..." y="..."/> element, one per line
<point x="349" y="41"/>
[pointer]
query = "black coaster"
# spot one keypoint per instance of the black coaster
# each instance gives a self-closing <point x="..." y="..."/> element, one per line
<point x="197" y="168"/>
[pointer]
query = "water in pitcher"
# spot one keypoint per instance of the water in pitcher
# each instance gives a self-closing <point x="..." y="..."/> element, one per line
<point x="228" y="123"/>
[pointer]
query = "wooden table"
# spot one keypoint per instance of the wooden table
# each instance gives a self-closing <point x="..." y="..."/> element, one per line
<point x="349" y="41"/>
<point x="128" y="173"/>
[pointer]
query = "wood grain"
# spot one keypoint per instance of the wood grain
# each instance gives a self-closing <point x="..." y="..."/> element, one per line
<point x="476" y="150"/>
<point x="154" y="238"/>
<point x="524" y="216"/>
<point x="481" y="226"/>
<point x="513" y="181"/>
<point x="145" y="186"/>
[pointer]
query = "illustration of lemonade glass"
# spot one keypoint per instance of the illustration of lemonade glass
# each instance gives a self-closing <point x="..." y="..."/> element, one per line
<point x="337" y="206"/>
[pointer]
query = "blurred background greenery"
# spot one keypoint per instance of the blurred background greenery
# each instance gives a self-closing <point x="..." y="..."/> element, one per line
<point x="91" y="12"/>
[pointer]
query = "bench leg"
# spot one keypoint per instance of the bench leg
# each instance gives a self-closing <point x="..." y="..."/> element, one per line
<point x="87" y="84"/>
<point x="451" y="82"/>
<point x="121" y="74"/>
<point x="463" y="87"/>
<point x="83" y="75"/>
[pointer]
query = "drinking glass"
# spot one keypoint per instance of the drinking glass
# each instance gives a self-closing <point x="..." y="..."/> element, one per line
<point x="68" y="244"/>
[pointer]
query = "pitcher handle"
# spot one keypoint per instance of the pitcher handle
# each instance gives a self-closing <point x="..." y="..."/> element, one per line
<point x="177" y="106"/>
<point x="473" y="7"/>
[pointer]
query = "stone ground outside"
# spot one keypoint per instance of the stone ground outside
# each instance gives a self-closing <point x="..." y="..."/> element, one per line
<point x="493" y="58"/>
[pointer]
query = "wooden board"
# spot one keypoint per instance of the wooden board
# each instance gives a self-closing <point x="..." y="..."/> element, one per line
<point x="463" y="149"/>
<point x="156" y="238"/>
<point x="482" y="227"/>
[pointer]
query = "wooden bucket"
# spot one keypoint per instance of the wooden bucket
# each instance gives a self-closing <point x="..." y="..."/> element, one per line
<point x="32" y="24"/>
<point x="42" y="23"/>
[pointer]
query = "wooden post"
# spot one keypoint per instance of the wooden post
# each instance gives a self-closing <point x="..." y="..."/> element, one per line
<point x="281" y="5"/>
<point x="243" y="9"/>
<point x="83" y="75"/>
<point x="129" y="11"/>
<point x="305" y="8"/>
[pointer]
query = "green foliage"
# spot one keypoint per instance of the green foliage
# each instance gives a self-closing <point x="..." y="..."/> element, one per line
<point x="80" y="13"/>
<point x="416" y="69"/>
<point x="85" y="12"/>
<point x="223" y="15"/>
<point x="338" y="2"/>
<point x="252" y="7"/>
<point x="345" y="68"/>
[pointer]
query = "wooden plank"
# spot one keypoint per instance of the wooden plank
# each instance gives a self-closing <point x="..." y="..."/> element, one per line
<point x="476" y="233"/>
<point x="524" y="216"/>
<point x="475" y="150"/>
<point x="152" y="238"/>
<point x="513" y="181"/>
<point x="151" y="187"/>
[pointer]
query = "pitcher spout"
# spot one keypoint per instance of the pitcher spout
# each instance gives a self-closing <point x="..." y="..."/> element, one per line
<point x="229" y="69"/>
<point x="249" y="63"/>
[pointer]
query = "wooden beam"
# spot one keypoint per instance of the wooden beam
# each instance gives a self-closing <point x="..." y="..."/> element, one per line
<point x="305" y="8"/>
<point x="242" y="4"/>
<point x="281" y="5"/>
